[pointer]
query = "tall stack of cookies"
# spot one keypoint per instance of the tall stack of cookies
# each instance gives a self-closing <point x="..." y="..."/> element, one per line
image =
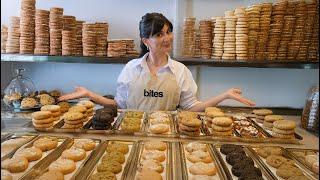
<point x="89" y="39"/>
<point x="116" y="48"/>
<point x="101" y="38"/>
<point x="189" y="37"/>
<point x="288" y="26"/>
<point x="27" y="24"/>
<point x="42" y="119"/>
<point x="283" y="129"/>
<point x="68" y="35"/>
<point x="297" y="36"/>
<point x="212" y="112"/>
<point x="219" y="28"/>
<point x="205" y="33"/>
<point x="313" y="49"/>
<point x="222" y="126"/>
<point x="269" y="119"/>
<point x="229" y="42"/>
<point x="72" y="120"/>
<point x="264" y="22"/>
<point x="13" y="41"/>
<point x="78" y="43"/>
<point x="278" y="12"/>
<point x="197" y="49"/>
<point x="253" y="14"/>
<point x="213" y="19"/>
<point x="80" y="109"/>
<point x="103" y="118"/>
<point x="189" y="124"/>
<point x="4" y="37"/>
<point x="56" y="26"/>
<point x="241" y="34"/>
<point x="42" y="43"/>
<point x="89" y="105"/>
<point x="54" y="109"/>
<point x="261" y="113"/>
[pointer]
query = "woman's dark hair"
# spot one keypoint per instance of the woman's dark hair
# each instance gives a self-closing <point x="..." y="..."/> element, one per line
<point x="151" y="24"/>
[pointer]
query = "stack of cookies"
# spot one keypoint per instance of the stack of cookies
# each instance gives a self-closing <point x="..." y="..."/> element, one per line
<point x="56" y="26"/>
<point x="64" y="106"/>
<point x="42" y="46"/>
<point x="89" y="39"/>
<point x="68" y="35"/>
<point x="313" y="50"/>
<point x="253" y="13"/>
<point x="261" y="113"/>
<point x="212" y="112"/>
<point x="103" y="118"/>
<point x="89" y="105"/>
<point x="297" y="36"/>
<point x="213" y="22"/>
<point x="27" y="24"/>
<point x="72" y="120"/>
<point x="78" y="43"/>
<point x="80" y="109"/>
<point x="197" y="50"/>
<point x="189" y="125"/>
<point x="28" y="102"/>
<point x="229" y="43"/>
<point x="269" y="119"/>
<point x="218" y="38"/>
<point x="189" y="34"/>
<point x="205" y="33"/>
<point x="159" y="123"/>
<point x="283" y="129"/>
<point x="278" y="12"/>
<point x="222" y="126"/>
<point x="101" y="38"/>
<point x="116" y="48"/>
<point x="13" y="41"/>
<point x="42" y="119"/>
<point x="54" y="109"/>
<point x="264" y="22"/>
<point x="241" y="34"/>
<point x="130" y="51"/>
<point x="4" y="37"/>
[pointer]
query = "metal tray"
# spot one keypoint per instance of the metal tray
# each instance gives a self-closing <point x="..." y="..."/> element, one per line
<point x="91" y="167"/>
<point x="227" y="167"/>
<point x="166" y="174"/>
<point x="186" y="164"/>
<point x="302" y="162"/>
<point x="117" y="125"/>
<point x="273" y="170"/>
<point x="172" y="131"/>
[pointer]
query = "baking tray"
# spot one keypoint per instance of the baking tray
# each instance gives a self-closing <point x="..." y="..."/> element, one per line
<point x="186" y="164"/>
<point x="117" y="125"/>
<point x="227" y="167"/>
<point x="29" y="137"/>
<point x="167" y="172"/>
<point x="45" y="155"/>
<point x="273" y="170"/>
<point x="302" y="162"/>
<point x="172" y="131"/>
<point x="91" y="167"/>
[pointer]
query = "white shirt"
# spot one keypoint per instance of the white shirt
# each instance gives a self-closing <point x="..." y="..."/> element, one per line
<point x="188" y="88"/>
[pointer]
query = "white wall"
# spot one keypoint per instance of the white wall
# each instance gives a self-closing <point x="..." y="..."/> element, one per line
<point x="268" y="87"/>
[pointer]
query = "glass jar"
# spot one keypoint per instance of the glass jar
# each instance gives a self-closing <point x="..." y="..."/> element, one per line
<point x="310" y="115"/>
<point x="18" y="88"/>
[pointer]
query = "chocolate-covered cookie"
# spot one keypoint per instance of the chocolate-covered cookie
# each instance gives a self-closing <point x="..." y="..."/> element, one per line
<point x="235" y="157"/>
<point x="113" y="108"/>
<point x="245" y="168"/>
<point x="229" y="148"/>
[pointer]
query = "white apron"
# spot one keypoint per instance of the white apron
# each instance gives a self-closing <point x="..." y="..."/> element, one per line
<point x="152" y="93"/>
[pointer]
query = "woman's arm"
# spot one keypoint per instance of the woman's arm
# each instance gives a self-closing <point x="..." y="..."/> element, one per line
<point x="233" y="93"/>
<point x="81" y="92"/>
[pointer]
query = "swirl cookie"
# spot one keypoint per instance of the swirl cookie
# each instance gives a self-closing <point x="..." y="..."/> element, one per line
<point x="65" y="166"/>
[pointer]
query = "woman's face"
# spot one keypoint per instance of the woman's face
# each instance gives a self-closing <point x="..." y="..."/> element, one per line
<point x="162" y="41"/>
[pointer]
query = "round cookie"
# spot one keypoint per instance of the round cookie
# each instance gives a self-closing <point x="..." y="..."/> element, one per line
<point x="46" y="99"/>
<point x="113" y="108"/>
<point x="5" y="175"/>
<point x="52" y="175"/>
<point x="266" y="151"/>
<point x="32" y="153"/>
<point x="72" y="116"/>
<point x="234" y="157"/>
<point x="45" y="143"/>
<point x="111" y="165"/>
<point x="159" y="128"/>
<point x="38" y="115"/>
<point x="229" y="148"/>
<point x="88" y="104"/>
<point x="51" y="108"/>
<point x="78" y="108"/>
<point x="28" y="102"/>
<point x="64" y="106"/>
<point x="285" y="171"/>
<point x="195" y="146"/>
<point x="193" y="122"/>
<point x="115" y="155"/>
<point x="201" y="168"/>
<point x="118" y="147"/>
<point x="146" y="174"/>
<point x="155" y="145"/>
<point x="15" y="164"/>
<point x="262" y="112"/>
<point x="43" y="121"/>
<point x="280" y="131"/>
<point x="154" y="154"/>
<point x="222" y="121"/>
<point x="151" y="164"/>
<point x="275" y="160"/>
<point x="199" y="156"/>
<point x="243" y="167"/>
<point x="86" y="144"/>
<point x="272" y="118"/>
<point x="106" y="175"/>
<point x="213" y="114"/>
<point x="158" y="114"/>
<point x="75" y="154"/>
<point x="65" y="166"/>
<point x="187" y="128"/>
<point x="284" y="125"/>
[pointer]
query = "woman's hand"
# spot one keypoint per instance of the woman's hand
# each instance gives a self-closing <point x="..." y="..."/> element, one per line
<point x="235" y="94"/>
<point x="78" y="93"/>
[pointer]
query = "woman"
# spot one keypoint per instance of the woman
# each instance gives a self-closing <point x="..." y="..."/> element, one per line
<point x="155" y="81"/>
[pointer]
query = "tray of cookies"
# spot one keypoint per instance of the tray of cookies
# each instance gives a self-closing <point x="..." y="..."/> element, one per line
<point x="238" y="162"/>
<point x="279" y="163"/>
<point x="12" y="143"/>
<point x="130" y="122"/>
<point x="189" y="124"/>
<point x="112" y="161"/>
<point x="153" y="161"/>
<point x="199" y="162"/>
<point x="28" y="157"/>
<point x="160" y="123"/>
<point x="309" y="158"/>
